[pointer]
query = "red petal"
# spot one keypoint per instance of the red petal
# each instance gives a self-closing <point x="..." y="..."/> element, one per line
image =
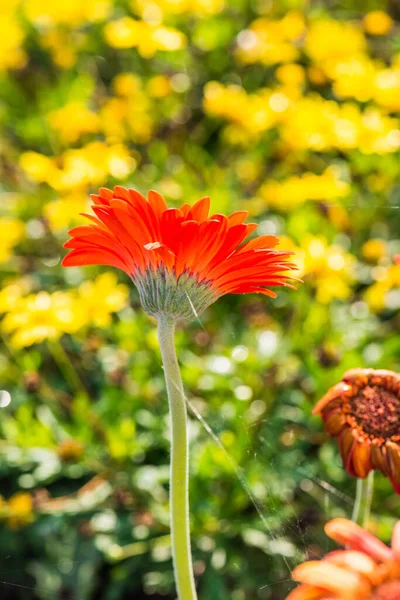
<point x="199" y="210"/>
<point x="158" y="203"/>
<point x="347" y="533"/>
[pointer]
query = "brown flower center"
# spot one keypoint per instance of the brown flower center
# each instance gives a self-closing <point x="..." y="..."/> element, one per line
<point x="377" y="411"/>
<point x="387" y="591"/>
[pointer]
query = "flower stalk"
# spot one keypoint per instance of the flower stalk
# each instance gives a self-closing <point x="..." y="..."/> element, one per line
<point x="363" y="500"/>
<point x="179" y="479"/>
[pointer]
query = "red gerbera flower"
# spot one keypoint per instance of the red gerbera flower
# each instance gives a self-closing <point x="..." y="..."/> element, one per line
<point x="366" y="570"/>
<point x="180" y="259"/>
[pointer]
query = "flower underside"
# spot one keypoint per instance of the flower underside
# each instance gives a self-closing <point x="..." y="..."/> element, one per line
<point x="180" y="259"/>
<point x="363" y="412"/>
<point x="161" y="293"/>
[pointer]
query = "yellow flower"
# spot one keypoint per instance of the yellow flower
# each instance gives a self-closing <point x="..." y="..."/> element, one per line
<point x="294" y="191"/>
<point x="386" y="88"/>
<point x="42" y="316"/>
<point x="327" y="268"/>
<point x="374" y="250"/>
<point x="270" y="42"/>
<point x="126" y="84"/>
<point x="255" y="113"/>
<point x="159" y="86"/>
<point x="90" y="165"/>
<point x="122" y="33"/>
<point x="316" y="75"/>
<point x="102" y="297"/>
<point x="377" y="22"/>
<point x="39" y="317"/>
<point x="329" y="40"/>
<point x="9" y="296"/>
<point x="128" y="118"/>
<point x="12" y="55"/>
<point x="17" y="511"/>
<point x="386" y="279"/>
<point x="338" y="216"/>
<point x="148" y="39"/>
<point x="65" y="211"/>
<point x="11" y="233"/>
<point x="61" y="46"/>
<point x="72" y="121"/>
<point x="178" y="7"/>
<point x="71" y="13"/>
<point x="354" y="77"/>
<point x="290" y="74"/>
<point x="320" y="124"/>
<point x="38" y="167"/>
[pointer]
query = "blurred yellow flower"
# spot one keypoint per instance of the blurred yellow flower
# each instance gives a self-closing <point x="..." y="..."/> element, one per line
<point x="354" y="77"/>
<point x="9" y="295"/>
<point x="327" y="268"/>
<point x="375" y="249"/>
<point x="159" y="86"/>
<point x="316" y="75"/>
<point x="320" y="124"/>
<point x="102" y="297"/>
<point x="71" y="13"/>
<point x="255" y="113"/>
<point x="129" y="116"/>
<point x="38" y="167"/>
<point x="158" y="8"/>
<point x="147" y="38"/>
<point x="61" y="46"/>
<point x="338" y="216"/>
<point x="386" y="88"/>
<point x="93" y="164"/>
<point x="72" y="121"/>
<point x="270" y="42"/>
<point x="290" y="74"/>
<point x="65" y="211"/>
<point x="122" y="33"/>
<point x="90" y="165"/>
<point x="330" y="41"/>
<point x="386" y="279"/>
<point x="377" y="22"/>
<point x="17" y="511"/>
<point x="12" y="55"/>
<point x="304" y="122"/>
<point x="126" y="84"/>
<point x="11" y="233"/>
<point x="43" y="316"/>
<point x="294" y="191"/>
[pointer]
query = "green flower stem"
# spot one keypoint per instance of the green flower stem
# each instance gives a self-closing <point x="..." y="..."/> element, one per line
<point x="363" y="500"/>
<point x="179" y="481"/>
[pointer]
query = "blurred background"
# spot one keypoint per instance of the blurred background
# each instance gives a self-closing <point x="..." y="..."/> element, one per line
<point x="287" y="109"/>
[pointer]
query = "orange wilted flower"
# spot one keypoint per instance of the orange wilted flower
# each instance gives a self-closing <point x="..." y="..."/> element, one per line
<point x="366" y="570"/>
<point x="180" y="259"/>
<point x="363" y="411"/>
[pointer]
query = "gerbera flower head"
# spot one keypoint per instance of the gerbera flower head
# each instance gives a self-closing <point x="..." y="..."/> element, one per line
<point x="180" y="259"/>
<point x="363" y="412"/>
<point x="366" y="570"/>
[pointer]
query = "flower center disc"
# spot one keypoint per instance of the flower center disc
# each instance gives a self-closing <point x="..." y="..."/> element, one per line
<point x="377" y="411"/>
<point x="387" y="591"/>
